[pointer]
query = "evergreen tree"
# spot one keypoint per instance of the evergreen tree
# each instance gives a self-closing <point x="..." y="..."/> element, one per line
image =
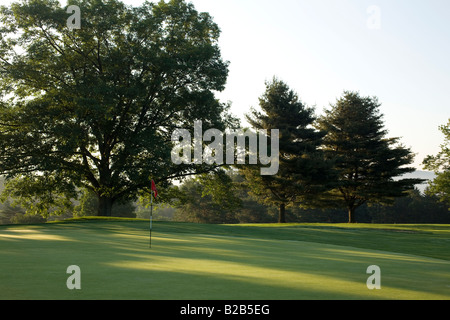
<point x="368" y="164"/>
<point x="303" y="170"/>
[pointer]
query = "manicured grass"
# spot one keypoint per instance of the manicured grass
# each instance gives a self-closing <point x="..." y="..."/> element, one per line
<point x="195" y="261"/>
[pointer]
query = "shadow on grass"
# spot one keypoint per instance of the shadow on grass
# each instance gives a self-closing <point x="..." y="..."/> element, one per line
<point x="116" y="263"/>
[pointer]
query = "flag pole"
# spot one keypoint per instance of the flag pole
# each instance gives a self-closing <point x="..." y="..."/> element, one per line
<point x="151" y="216"/>
<point x="152" y="189"/>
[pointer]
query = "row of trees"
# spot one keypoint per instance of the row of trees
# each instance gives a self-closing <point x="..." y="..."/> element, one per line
<point x="415" y="207"/>
<point x="311" y="185"/>
<point x="341" y="159"/>
<point x="202" y="200"/>
<point x="89" y="113"/>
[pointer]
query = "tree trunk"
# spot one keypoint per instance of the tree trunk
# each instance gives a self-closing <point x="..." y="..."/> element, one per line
<point x="282" y="214"/>
<point x="351" y="215"/>
<point x="105" y="206"/>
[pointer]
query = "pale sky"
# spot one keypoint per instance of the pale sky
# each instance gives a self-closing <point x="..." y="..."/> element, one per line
<point x="322" y="47"/>
<point x="397" y="50"/>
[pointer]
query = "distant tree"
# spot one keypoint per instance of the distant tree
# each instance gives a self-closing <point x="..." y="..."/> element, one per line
<point x="39" y="195"/>
<point x="251" y="210"/>
<point x="87" y="204"/>
<point x="369" y="165"/>
<point x="303" y="170"/>
<point x="416" y="207"/>
<point x="95" y="107"/>
<point x="208" y="198"/>
<point x="219" y="185"/>
<point x="440" y="164"/>
<point x="9" y="212"/>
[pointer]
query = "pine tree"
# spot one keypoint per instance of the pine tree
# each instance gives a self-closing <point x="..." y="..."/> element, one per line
<point x="302" y="167"/>
<point x="368" y="164"/>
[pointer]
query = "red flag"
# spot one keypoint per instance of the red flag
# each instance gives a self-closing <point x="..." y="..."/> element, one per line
<point x="154" y="188"/>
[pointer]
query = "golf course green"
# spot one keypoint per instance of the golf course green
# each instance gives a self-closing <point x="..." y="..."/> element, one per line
<point x="220" y="262"/>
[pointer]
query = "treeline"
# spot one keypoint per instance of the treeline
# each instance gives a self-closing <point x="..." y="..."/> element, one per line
<point x="241" y="207"/>
<point x="74" y="143"/>
<point x="231" y="202"/>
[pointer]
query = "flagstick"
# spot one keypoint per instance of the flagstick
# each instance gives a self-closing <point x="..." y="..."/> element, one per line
<point x="151" y="216"/>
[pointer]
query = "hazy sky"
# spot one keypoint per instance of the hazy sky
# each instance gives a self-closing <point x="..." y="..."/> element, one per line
<point x="397" y="50"/>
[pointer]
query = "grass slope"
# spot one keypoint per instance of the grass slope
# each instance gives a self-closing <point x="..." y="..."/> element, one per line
<point x="194" y="261"/>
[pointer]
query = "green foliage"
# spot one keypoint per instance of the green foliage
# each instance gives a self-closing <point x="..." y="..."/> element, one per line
<point x="369" y="165"/>
<point x="8" y="212"/>
<point x="88" y="205"/>
<point x="303" y="170"/>
<point x="412" y="208"/>
<point x="160" y="212"/>
<point x="97" y="105"/>
<point x="209" y="198"/>
<point x="20" y="218"/>
<point x="220" y="187"/>
<point x="440" y="187"/>
<point x="40" y="194"/>
<point x="440" y="164"/>
<point x="92" y="110"/>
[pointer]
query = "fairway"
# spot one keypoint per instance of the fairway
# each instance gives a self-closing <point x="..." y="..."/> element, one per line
<point x="195" y="261"/>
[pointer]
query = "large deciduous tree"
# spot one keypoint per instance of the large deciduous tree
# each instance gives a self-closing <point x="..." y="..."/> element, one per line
<point x="369" y="165"/>
<point x="95" y="107"/>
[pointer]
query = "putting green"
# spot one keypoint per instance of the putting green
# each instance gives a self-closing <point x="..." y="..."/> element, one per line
<point x="202" y="262"/>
